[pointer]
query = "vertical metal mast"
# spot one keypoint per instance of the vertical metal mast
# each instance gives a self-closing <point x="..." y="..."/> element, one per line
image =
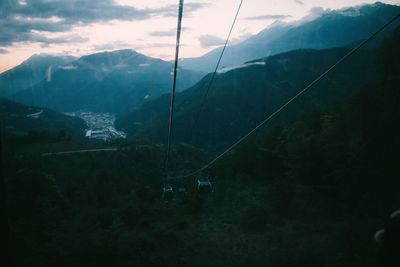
<point x="171" y="110"/>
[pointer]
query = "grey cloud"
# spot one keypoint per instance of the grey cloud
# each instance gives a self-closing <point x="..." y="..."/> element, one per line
<point x="192" y="7"/>
<point x="163" y="45"/>
<point x="171" y="32"/>
<point x="3" y="50"/>
<point x="19" y="20"/>
<point x="154" y="45"/>
<point x="210" y="40"/>
<point x="268" y="17"/>
<point x="243" y="36"/>
<point x="47" y="41"/>
<point x="15" y="35"/>
<point x="74" y="11"/>
<point x="316" y="10"/>
<point x="168" y="33"/>
<point x="299" y="2"/>
<point x="188" y="10"/>
<point x="313" y="13"/>
<point x="111" y="46"/>
<point x="122" y="45"/>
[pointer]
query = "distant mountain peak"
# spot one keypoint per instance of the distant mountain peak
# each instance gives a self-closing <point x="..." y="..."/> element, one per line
<point x="112" y="81"/>
<point x="121" y="52"/>
<point x="116" y="58"/>
<point x="363" y="9"/>
<point x="47" y="55"/>
<point x="320" y="29"/>
<point x="378" y="3"/>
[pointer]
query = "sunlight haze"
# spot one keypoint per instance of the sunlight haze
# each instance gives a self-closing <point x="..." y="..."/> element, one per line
<point x="145" y="26"/>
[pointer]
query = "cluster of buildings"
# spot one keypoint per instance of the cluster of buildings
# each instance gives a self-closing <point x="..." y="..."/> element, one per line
<point x="99" y="125"/>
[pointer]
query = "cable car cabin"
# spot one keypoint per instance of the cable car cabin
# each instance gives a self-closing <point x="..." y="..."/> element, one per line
<point x="182" y="191"/>
<point x="168" y="192"/>
<point x="204" y="186"/>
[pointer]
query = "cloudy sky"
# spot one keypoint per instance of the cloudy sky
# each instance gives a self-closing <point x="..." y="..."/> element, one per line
<point x="78" y="27"/>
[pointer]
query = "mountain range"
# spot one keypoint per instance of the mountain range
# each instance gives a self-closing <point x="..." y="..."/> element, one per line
<point x="335" y="28"/>
<point x="135" y="86"/>
<point x="31" y="71"/>
<point x="243" y="96"/>
<point x="310" y="188"/>
<point x="115" y="82"/>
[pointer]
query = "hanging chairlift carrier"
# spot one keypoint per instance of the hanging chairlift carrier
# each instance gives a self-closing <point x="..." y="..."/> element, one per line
<point x="168" y="192"/>
<point x="204" y="186"/>
<point x="181" y="190"/>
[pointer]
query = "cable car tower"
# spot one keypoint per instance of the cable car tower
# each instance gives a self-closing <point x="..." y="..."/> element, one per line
<point x="168" y="191"/>
<point x="203" y="184"/>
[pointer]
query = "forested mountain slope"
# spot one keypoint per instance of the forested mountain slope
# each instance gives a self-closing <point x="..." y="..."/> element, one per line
<point x="334" y="28"/>
<point x="241" y="97"/>
<point x="20" y="119"/>
<point x="115" y="82"/>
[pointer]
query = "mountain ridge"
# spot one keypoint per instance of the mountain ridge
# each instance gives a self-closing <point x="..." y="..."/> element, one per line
<point x="335" y="28"/>
<point x="115" y="82"/>
<point x="241" y="97"/>
<point x="29" y="72"/>
<point x="20" y="119"/>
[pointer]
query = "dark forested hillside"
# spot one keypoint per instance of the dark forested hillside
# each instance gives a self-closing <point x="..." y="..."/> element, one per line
<point x="20" y="120"/>
<point x="311" y="189"/>
<point x="241" y="97"/>
<point x="351" y="152"/>
<point x="332" y="28"/>
<point x="313" y="192"/>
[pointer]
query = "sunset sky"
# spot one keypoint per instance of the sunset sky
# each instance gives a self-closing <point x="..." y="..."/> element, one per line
<point x="78" y="27"/>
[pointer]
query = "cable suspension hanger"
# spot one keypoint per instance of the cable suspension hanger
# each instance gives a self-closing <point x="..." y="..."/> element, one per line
<point x="300" y="93"/>
<point x="203" y="101"/>
<point x="171" y="110"/>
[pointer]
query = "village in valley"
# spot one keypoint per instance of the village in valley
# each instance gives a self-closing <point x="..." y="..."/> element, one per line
<point x="99" y="125"/>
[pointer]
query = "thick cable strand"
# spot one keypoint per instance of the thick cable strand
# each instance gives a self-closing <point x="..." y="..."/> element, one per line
<point x="171" y="112"/>
<point x="289" y="101"/>
<point x="204" y="98"/>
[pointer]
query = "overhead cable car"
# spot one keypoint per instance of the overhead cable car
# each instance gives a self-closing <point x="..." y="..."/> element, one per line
<point x="182" y="191"/>
<point x="168" y="192"/>
<point x="204" y="185"/>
